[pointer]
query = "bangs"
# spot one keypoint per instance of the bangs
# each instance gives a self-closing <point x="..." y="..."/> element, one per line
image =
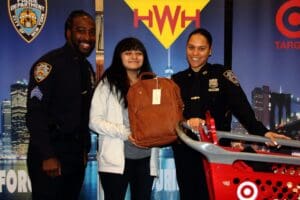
<point x="130" y="45"/>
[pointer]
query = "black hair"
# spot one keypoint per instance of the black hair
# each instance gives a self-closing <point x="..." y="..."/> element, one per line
<point x="203" y="32"/>
<point x="116" y="74"/>
<point x="72" y="15"/>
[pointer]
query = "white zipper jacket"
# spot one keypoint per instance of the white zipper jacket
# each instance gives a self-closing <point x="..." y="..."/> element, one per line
<point x="106" y="119"/>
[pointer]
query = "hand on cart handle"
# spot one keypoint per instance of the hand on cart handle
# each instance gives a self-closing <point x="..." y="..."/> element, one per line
<point x="195" y="124"/>
<point x="273" y="136"/>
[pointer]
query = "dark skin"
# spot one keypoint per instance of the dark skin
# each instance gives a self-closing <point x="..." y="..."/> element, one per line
<point x="81" y="36"/>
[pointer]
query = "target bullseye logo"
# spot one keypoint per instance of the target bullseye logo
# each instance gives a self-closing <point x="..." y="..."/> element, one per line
<point x="247" y="191"/>
<point x="288" y="19"/>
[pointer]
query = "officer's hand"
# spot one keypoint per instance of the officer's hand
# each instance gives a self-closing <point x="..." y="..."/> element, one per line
<point x="273" y="136"/>
<point x="52" y="167"/>
<point x="195" y="123"/>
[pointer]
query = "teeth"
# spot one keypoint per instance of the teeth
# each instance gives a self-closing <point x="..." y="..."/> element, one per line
<point x="195" y="59"/>
<point x="85" y="45"/>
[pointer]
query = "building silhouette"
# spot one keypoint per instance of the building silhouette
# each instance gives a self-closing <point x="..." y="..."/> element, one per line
<point x="5" y="140"/>
<point x="168" y="71"/>
<point x="19" y="132"/>
<point x="261" y="104"/>
<point x="280" y="109"/>
<point x="5" y="117"/>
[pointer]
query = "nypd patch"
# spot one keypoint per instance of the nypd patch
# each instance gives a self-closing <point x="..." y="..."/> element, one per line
<point x="231" y="77"/>
<point x="41" y="71"/>
<point x="28" y="17"/>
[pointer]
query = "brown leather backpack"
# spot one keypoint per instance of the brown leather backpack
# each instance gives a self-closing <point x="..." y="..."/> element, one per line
<point x="154" y="109"/>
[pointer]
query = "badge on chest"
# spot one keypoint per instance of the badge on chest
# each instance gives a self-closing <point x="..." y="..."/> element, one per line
<point x="213" y="85"/>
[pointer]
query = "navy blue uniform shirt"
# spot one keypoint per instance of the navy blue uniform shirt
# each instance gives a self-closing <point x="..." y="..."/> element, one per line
<point x="215" y="88"/>
<point x="58" y="103"/>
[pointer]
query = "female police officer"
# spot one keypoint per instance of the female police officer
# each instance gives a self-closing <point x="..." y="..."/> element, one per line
<point x="208" y="87"/>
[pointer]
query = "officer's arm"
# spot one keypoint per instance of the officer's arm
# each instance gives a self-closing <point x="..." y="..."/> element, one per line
<point x="37" y="117"/>
<point x="240" y="105"/>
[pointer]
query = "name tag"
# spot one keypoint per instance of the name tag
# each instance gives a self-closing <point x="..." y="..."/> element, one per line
<point x="156" y="96"/>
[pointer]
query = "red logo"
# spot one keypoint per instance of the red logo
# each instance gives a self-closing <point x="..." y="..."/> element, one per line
<point x="288" y="19"/>
<point x="166" y="19"/>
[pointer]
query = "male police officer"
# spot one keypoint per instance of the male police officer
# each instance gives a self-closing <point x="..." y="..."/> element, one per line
<point x="59" y="94"/>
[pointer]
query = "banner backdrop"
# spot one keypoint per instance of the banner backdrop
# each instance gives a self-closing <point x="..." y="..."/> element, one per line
<point x="163" y="26"/>
<point x="29" y="28"/>
<point x="265" y="55"/>
<point x="266" y="50"/>
<point x="166" y="49"/>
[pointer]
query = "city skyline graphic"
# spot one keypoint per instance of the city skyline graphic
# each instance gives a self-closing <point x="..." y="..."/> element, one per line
<point x="268" y="75"/>
<point x="14" y="137"/>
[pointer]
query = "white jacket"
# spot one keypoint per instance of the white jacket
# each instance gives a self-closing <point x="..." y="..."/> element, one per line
<point x="106" y="119"/>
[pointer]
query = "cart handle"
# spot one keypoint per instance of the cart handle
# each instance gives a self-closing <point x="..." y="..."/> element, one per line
<point x="256" y="138"/>
<point x="216" y="154"/>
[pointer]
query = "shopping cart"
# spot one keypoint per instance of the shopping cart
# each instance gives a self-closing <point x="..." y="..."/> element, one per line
<point x="234" y="174"/>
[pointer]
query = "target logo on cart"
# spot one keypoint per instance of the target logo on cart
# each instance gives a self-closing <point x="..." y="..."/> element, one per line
<point x="247" y="191"/>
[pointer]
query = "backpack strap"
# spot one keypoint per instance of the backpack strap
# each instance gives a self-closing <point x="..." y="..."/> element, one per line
<point x="146" y="75"/>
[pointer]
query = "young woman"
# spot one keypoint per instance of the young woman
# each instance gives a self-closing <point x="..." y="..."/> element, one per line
<point x="120" y="162"/>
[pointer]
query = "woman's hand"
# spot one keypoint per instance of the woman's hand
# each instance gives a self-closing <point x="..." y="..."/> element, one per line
<point x="195" y="124"/>
<point x="273" y="136"/>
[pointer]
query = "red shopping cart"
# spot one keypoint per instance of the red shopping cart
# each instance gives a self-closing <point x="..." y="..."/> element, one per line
<point x="234" y="174"/>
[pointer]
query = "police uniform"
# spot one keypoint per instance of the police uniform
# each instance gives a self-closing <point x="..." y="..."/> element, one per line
<point x="215" y="89"/>
<point x="59" y="94"/>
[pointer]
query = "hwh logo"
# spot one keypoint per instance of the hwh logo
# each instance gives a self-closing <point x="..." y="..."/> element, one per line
<point x="166" y="14"/>
<point x="166" y="19"/>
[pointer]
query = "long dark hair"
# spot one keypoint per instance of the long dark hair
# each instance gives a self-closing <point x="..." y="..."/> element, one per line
<point x="116" y="74"/>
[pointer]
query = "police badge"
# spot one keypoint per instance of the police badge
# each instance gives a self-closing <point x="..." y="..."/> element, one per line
<point x="28" y="17"/>
<point x="213" y="85"/>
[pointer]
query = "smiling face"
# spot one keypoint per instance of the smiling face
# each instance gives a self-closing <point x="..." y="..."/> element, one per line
<point x="132" y="59"/>
<point x="81" y="35"/>
<point x="198" y="50"/>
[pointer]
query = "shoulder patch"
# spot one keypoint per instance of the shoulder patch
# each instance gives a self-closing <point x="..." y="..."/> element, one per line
<point x="41" y="71"/>
<point x="231" y="77"/>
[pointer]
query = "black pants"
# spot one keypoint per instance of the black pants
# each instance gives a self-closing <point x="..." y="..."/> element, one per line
<point x="64" y="187"/>
<point x="136" y="173"/>
<point x="190" y="173"/>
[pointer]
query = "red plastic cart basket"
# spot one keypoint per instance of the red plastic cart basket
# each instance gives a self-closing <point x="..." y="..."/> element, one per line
<point x="233" y="174"/>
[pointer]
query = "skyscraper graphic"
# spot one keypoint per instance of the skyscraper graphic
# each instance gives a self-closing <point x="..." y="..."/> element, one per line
<point x="169" y="71"/>
<point x="19" y="132"/>
<point x="5" y="140"/>
<point x="261" y="104"/>
<point x="5" y="117"/>
<point x="280" y="109"/>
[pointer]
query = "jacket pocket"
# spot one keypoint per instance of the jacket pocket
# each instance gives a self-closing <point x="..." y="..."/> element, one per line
<point x="111" y="152"/>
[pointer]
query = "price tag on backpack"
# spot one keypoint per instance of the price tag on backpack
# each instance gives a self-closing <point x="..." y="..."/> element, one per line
<point x="156" y="96"/>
